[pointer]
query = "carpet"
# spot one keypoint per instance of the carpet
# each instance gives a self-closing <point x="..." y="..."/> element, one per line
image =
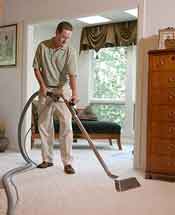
<point x="90" y="191"/>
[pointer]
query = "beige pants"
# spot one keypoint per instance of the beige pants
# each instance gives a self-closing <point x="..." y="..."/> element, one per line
<point x="46" y="108"/>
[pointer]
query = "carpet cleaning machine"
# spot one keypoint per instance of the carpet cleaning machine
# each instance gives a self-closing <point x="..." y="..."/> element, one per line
<point x="120" y="184"/>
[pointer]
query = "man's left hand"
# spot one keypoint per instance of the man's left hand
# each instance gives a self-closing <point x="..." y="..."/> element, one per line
<point x="74" y="100"/>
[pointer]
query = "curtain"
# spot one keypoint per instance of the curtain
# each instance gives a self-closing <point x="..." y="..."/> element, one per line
<point x="109" y="35"/>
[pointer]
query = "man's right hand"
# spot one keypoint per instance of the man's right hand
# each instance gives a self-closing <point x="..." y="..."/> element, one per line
<point x="43" y="91"/>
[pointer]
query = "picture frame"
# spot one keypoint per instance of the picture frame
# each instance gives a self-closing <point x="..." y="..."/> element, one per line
<point x="8" y="45"/>
<point x="166" y="34"/>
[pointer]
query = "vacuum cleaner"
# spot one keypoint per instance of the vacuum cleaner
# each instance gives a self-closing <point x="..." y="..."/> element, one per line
<point x="120" y="185"/>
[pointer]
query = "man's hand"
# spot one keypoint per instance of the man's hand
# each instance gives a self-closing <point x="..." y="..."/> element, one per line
<point x="73" y="85"/>
<point x="74" y="99"/>
<point x="43" y="91"/>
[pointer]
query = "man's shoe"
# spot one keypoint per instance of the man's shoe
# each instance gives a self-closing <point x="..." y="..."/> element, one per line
<point x="45" y="164"/>
<point x="68" y="169"/>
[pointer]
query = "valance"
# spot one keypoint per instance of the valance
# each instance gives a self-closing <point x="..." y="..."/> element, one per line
<point x="109" y="35"/>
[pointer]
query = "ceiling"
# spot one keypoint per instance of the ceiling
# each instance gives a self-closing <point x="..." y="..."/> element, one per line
<point x="114" y="16"/>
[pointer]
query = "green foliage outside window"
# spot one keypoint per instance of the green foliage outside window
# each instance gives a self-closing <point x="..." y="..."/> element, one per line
<point x="108" y="82"/>
<point x="109" y="73"/>
<point x="109" y="112"/>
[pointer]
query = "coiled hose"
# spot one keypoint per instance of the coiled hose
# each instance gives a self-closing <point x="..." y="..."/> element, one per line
<point x="7" y="181"/>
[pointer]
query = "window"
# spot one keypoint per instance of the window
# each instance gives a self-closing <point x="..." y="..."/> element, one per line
<point x="110" y="112"/>
<point x="108" y="87"/>
<point x="109" y="74"/>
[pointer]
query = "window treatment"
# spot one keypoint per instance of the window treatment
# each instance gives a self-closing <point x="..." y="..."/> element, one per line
<point x="109" y="35"/>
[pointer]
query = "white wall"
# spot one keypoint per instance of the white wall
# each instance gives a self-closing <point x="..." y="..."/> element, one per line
<point x="39" y="34"/>
<point x="35" y="10"/>
<point x="153" y="16"/>
<point x="163" y="16"/>
<point x="1" y="10"/>
<point x="11" y="95"/>
<point x="128" y="128"/>
<point x="27" y="12"/>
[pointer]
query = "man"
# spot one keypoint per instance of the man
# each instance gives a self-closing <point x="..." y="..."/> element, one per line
<point x="55" y="69"/>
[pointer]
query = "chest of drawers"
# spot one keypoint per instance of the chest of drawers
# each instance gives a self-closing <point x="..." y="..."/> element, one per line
<point x="161" y="115"/>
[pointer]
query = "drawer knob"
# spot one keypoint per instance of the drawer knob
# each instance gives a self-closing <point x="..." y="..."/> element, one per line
<point x="171" y="114"/>
<point x="171" y="130"/>
<point x="170" y="97"/>
<point x="172" y="146"/>
<point x="173" y="58"/>
<point x="171" y="79"/>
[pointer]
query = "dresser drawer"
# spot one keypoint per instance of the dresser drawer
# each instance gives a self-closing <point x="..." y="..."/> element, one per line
<point x="163" y="79"/>
<point x="162" y="130"/>
<point x="163" y="96"/>
<point x="162" y="147"/>
<point x="162" y="113"/>
<point x="162" y="62"/>
<point x="162" y="164"/>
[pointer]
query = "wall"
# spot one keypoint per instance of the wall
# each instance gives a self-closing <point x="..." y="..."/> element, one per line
<point x="11" y="94"/>
<point x="35" y="10"/>
<point x="154" y="15"/>
<point x="1" y="10"/>
<point x="128" y="128"/>
<point x="161" y="17"/>
<point x="39" y="34"/>
<point x="26" y="12"/>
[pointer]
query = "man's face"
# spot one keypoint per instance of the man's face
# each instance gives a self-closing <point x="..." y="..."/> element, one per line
<point x="63" y="37"/>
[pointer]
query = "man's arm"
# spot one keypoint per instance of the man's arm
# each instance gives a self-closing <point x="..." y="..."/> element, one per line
<point x="73" y="86"/>
<point x="37" y="65"/>
<point x="43" y="88"/>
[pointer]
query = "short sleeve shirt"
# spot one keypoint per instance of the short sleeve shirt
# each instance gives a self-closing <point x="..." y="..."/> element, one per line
<point x="55" y="64"/>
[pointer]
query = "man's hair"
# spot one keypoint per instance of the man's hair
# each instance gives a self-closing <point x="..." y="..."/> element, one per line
<point x="64" y="26"/>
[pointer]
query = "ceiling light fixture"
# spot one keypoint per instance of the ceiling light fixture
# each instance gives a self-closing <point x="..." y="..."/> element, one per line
<point x="133" y="12"/>
<point x="93" y="19"/>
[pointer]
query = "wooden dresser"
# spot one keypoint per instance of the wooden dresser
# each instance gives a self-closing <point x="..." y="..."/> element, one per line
<point x="161" y="115"/>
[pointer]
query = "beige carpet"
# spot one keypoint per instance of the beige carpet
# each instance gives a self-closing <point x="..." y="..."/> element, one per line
<point x="90" y="191"/>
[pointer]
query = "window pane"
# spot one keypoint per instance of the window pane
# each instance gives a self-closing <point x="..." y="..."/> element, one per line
<point x="109" y="73"/>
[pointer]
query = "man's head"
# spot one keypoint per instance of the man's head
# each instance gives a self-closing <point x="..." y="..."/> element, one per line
<point x="63" y="33"/>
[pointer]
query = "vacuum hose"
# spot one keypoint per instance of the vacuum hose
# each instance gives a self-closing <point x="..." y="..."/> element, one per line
<point x="20" y="143"/>
<point x="7" y="181"/>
